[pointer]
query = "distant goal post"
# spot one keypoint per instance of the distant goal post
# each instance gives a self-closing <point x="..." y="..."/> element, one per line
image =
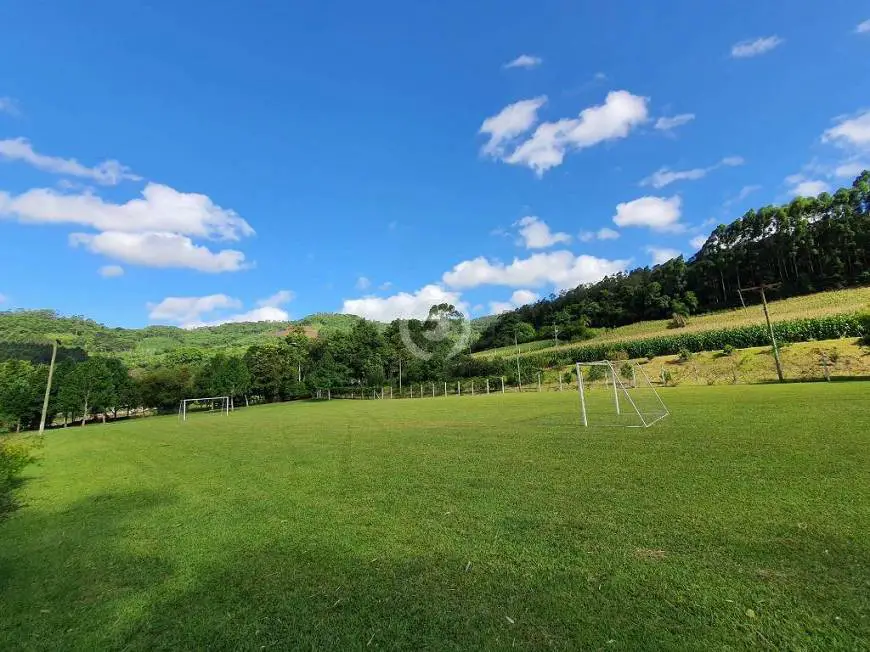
<point x="617" y="397"/>
<point x="223" y="401"/>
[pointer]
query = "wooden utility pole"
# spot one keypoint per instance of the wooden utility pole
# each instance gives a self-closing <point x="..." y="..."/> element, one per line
<point x="48" y="388"/>
<point x="519" y="377"/>
<point x="761" y="288"/>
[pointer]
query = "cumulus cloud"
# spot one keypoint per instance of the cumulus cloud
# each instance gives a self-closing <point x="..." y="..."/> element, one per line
<point x="9" y="106"/>
<point x="850" y="131"/>
<point x="189" y="311"/>
<point x="404" y="305"/>
<point x="661" y="255"/>
<point x="159" y="249"/>
<point x="108" y="173"/>
<point x="801" y="186"/>
<point x="161" y="208"/>
<point x="656" y="213"/>
<point x="517" y="299"/>
<point x="851" y="169"/>
<point x="277" y="300"/>
<point x="601" y="234"/>
<point x="753" y="48"/>
<point x="536" y="234"/>
<point x="186" y="309"/>
<point x="665" y="176"/>
<point x="524" y="61"/>
<point x="362" y="283"/>
<point x="549" y="143"/>
<point x="863" y="28"/>
<point x="111" y="271"/>
<point x="512" y="121"/>
<point x="562" y="269"/>
<point x="666" y="123"/>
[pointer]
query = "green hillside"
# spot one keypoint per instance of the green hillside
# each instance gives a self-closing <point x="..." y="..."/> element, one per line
<point x="140" y="346"/>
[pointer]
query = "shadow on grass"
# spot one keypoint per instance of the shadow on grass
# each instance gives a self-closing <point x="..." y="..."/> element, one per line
<point x="72" y="580"/>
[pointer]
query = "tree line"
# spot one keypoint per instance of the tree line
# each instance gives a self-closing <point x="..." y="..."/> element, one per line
<point x="807" y="245"/>
<point x="293" y="366"/>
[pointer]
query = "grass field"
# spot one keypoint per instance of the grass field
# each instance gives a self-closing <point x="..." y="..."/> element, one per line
<point x="812" y="305"/>
<point x="452" y="523"/>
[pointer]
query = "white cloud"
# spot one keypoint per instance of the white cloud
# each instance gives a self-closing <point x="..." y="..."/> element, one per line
<point x="698" y="241"/>
<point x="9" y="106"/>
<point x="111" y="271"/>
<point x="601" y="234"/>
<point x="614" y="119"/>
<point x="666" y="123"/>
<point x="562" y="269"/>
<point x="161" y="208"/>
<point x="850" y="132"/>
<point x="524" y="61"/>
<point x="159" y="249"/>
<point x="518" y="298"/>
<point x="277" y="300"/>
<point x="386" y="285"/>
<point x="863" y="28"/>
<point x="851" y="169"/>
<point x="189" y="311"/>
<point x="665" y="176"/>
<point x="108" y="173"/>
<point x="512" y="121"/>
<point x="745" y="191"/>
<point x="657" y="213"/>
<point x="362" y="283"/>
<point x="404" y="305"/>
<point x="3" y="298"/>
<point x="803" y="187"/>
<point x="536" y="234"/>
<point x="753" y="48"/>
<point x="661" y="255"/>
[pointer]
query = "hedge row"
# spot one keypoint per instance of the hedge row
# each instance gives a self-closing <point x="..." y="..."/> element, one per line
<point x="798" y="330"/>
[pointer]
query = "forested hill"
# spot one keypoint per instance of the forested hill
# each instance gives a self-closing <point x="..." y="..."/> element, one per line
<point x="20" y="330"/>
<point x="808" y="245"/>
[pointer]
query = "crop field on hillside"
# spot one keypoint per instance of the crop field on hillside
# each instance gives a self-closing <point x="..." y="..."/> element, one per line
<point x="487" y="522"/>
<point x="813" y="305"/>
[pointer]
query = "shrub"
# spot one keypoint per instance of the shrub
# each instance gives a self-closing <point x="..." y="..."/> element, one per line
<point x="666" y="376"/>
<point x="626" y="371"/>
<point x="727" y="350"/>
<point x="684" y="355"/>
<point x="864" y="325"/>
<point x="678" y="321"/>
<point x="616" y="354"/>
<point x="594" y="373"/>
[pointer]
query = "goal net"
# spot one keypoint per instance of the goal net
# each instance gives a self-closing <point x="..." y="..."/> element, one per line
<point x="216" y="404"/>
<point x="617" y="394"/>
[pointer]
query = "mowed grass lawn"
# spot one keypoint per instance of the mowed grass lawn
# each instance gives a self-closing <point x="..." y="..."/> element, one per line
<point x="452" y="523"/>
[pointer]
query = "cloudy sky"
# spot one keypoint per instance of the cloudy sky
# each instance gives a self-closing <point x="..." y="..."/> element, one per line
<point x="192" y="163"/>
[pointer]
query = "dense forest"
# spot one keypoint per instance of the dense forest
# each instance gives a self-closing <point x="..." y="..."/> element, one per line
<point x="808" y="245"/>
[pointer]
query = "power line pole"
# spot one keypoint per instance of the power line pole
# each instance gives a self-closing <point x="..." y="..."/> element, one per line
<point x="761" y="288"/>
<point x="400" y="376"/>
<point x="48" y="388"/>
<point x="519" y="377"/>
<point x="556" y="333"/>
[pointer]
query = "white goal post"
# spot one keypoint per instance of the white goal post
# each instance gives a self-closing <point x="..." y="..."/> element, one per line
<point x="617" y="398"/>
<point x="225" y="405"/>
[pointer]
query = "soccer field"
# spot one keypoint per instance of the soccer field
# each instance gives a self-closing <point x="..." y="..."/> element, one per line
<point x="487" y="522"/>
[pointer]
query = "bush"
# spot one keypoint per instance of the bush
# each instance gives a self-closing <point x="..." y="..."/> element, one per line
<point x="727" y="350"/>
<point x="626" y="371"/>
<point x="666" y="376"/>
<point x="594" y="373"/>
<point x="684" y="355"/>
<point x="864" y="325"/>
<point x="678" y="320"/>
<point x="616" y="354"/>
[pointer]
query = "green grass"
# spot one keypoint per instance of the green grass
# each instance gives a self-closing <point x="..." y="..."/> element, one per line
<point x="452" y="523"/>
<point x="836" y="302"/>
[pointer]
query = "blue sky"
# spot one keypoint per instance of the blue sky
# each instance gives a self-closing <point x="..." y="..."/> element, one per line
<point x="192" y="162"/>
